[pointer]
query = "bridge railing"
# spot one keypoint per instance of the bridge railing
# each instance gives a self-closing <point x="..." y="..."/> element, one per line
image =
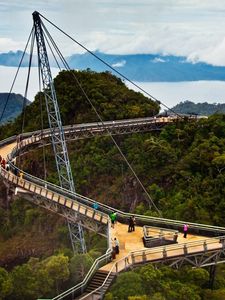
<point x="158" y="254"/>
<point x="141" y="220"/>
<point x="152" y="231"/>
<point x="79" y="288"/>
<point x="154" y="237"/>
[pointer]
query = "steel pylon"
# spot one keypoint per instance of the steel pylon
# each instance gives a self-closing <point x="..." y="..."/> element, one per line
<point x="57" y="133"/>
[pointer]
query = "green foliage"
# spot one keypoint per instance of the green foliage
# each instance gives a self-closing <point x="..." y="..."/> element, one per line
<point x="138" y="297"/>
<point x="127" y="284"/>
<point x="214" y="295"/>
<point x="39" y="278"/>
<point x="79" y="266"/>
<point x="24" y="283"/>
<point x="151" y="278"/>
<point x="5" y="284"/>
<point x="182" y="168"/>
<point x="57" y="268"/>
<point x="204" y="109"/>
<point x="108" y="94"/>
<point x="160" y="284"/>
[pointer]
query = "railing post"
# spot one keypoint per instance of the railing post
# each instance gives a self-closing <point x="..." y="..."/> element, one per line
<point x="126" y="263"/>
<point x="175" y="237"/>
<point x="222" y="241"/>
<point x="164" y="252"/>
<point x="205" y="246"/>
<point x="144" y="258"/>
<point x="116" y="267"/>
<point x="185" y="249"/>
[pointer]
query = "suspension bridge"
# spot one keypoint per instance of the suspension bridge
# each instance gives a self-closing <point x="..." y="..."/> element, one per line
<point x="155" y="240"/>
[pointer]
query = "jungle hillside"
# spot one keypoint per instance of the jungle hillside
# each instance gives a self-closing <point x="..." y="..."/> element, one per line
<point x="182" y="167"/>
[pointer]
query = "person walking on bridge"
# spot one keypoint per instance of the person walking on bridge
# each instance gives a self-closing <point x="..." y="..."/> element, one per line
<point x="113" y="218"/>
<point x="116" y="245"/>
<point x="131" y="224"/>
<point x="185" y="230"/>
<point x="3" y="163"/>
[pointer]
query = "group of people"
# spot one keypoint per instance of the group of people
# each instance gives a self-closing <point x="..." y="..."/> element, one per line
<point x="131" y="221"/>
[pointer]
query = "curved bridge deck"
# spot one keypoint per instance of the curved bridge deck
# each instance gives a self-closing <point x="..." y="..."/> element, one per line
<point x="204" y="245"/>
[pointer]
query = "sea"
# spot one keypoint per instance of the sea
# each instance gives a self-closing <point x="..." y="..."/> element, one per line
<point x="168" y="93"/>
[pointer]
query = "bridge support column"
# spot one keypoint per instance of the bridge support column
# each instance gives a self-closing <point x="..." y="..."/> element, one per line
<point x="77" y="237"/>
<point x="212" y="273"/>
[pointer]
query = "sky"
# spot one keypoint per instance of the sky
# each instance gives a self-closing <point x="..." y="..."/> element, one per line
<point x="191" y="28"/>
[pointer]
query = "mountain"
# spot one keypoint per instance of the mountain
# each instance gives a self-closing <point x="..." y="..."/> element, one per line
<point x="13" y="108"/>
<point x="204" y="109"/>
<point x="137" y="67"/>
<point x="149" y="67"/>
<point x="12" y="59"/>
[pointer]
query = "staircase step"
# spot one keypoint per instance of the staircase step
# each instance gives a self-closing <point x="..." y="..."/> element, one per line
<point x="96" y="281"/>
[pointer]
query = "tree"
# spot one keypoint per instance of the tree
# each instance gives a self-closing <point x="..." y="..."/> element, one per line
<point x="5" y="284"/>
<point x="57" y="268"/>
<point x="79" y="266"/>
<point x="24" y="283"/>
<point x="127" y="284"/>
<point x="151" y="278"/>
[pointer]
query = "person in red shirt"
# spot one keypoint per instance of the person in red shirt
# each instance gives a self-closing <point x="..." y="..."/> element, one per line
<point x="3" y="163"/>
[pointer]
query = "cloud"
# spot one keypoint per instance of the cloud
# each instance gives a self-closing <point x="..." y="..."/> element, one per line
<point x="7" y="44"/>
<point x="190" y="28"/>
<point x="158" y="60"/>
<point x="119" y="64"/>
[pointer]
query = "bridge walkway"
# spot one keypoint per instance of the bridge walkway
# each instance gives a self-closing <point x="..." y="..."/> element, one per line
<point x="205" y="247"/>
<point x="129" y="241"/>
<point x="132" y="241"/>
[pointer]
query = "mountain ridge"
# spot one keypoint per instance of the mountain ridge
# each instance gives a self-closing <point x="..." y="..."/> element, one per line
<point x="137" y="67"/>
<point x="204" y="109"/>
<point x="13" y="108"/>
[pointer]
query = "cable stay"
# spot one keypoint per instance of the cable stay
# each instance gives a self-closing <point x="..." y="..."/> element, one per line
<point x="41" y="33"/>
<point x="17" y="72"/>
<point x="66" y="66"/>
<point x="112" y="68"/>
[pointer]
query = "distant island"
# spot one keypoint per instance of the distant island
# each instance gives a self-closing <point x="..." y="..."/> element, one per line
<point x="203" y="109"/>
<point x="136" y="67"/>
<point x="13" y="108"/>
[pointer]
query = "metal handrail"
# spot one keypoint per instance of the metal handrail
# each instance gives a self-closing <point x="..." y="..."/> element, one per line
<point x="109" y="209"/>
<point x="91" y="271"/>
<point x="129" y="259"/>
<point x="120" y="214"/>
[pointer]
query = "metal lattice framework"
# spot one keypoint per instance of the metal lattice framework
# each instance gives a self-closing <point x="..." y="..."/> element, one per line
<point x="55" y="124"/>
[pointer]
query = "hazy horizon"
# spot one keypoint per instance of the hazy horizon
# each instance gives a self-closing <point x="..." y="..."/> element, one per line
<point x="169" y="93"/>
<point x="172" y="93"/>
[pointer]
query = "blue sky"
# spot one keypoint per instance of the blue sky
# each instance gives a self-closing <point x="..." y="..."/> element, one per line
<point x="193" y="28"/>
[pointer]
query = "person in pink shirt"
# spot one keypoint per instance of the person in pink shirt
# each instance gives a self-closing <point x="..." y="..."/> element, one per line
<point x="185" y="229"/>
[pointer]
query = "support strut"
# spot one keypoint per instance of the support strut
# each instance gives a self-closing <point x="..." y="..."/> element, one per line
<point x="56" y="129"/>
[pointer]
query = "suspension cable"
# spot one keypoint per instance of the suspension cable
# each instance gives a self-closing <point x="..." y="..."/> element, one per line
<point x="28" y="79"/>
<point x="53" y="54"/>
<point x="101" y="120"/>
<point x="112" y="68"/>
<point x="15" y="77"/>
<point x="42" y="120"/>
<point x="26" y="89"/>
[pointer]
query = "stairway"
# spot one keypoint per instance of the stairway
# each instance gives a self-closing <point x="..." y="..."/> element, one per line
<point x="96" y="281"/>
